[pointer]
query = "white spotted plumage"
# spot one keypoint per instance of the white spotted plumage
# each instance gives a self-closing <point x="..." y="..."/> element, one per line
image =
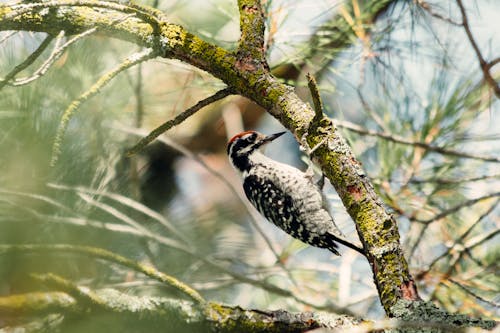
<point x="285" y="195"/>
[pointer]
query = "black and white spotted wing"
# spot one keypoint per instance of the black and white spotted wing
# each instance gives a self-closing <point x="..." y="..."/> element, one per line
<point x="279" y="208"/>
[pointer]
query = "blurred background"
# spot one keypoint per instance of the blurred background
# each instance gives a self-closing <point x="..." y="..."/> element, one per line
<point x="397" y="91"/>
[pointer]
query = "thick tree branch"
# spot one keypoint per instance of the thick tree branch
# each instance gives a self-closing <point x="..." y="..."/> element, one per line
<point x="150" y="313"/>
<point x="252" y="26"/>
<point x="168" y="314"/>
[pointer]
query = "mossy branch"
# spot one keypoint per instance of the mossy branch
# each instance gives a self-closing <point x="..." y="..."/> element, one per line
<point x="252" y="27"/>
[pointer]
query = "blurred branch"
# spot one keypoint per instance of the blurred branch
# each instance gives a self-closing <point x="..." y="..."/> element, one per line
<point x="178" y="120"/>
<point x="137" y="206"/>
<point x="130" y="61"/>
<point x="397" y="139"/>
<point x="7" y="36"/>
<point x="170" y="243"/>
<point x="427" y="7"/>
<point x="57" y="52"/>
<point x="171" y="315"/>
<point x="108" y="256"/>
<point x="87" y="297"/>
<point x="449" y="181"/>
<point x="473" y="294"/>
<point x="458" y="241"/>
<point x="485" y="66"/>
<point x="29" y="60"/>
<point x="456" y="208"/>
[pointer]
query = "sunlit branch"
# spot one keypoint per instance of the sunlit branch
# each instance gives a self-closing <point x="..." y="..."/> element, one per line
<point x="108" y="256"/>
<point x="316" y="98"/>
<point x="26" y="63"/>
<point x="24" y="8"/>
<point x="397" y="139"/>
<point x="178" y="120"/>
<point x="84" y="295"/>
<point x="57" y="52"/>
<point x="95" y="89"/>
<point x="485" y="66"/>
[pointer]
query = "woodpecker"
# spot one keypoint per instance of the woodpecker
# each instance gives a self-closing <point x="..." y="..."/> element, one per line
<point x="286" y="196"/>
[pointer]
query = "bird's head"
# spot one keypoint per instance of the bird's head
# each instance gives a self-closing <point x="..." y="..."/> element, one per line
<point x="243" y="145"/>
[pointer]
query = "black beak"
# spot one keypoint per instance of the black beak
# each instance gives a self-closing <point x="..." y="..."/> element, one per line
<point x="271" y="137"/>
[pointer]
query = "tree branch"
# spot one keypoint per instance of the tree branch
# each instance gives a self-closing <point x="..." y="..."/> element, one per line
<point x="108" y="256"/>
<point x="92" y="91"/>
<point x="29" y="60"/>
<point x="485" y="67"/>
<point x="178" y="120"/>
<point x="150" y="313"/>
<point x="252" y="26"/>
<point x="397" y="139"/>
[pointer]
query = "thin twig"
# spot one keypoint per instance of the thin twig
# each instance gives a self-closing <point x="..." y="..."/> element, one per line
<point x="177" y="120"/>
<point x="316" y="98"/>
<point x="137" y="206"/>
<point x="428" y="222"/>
<point x="111" y="257"/>
<point x="56" y="53"/>
<point x="92" y="91"/>
<point x="470" y="292"/>
<point x="397" y="139"/>
<point x="425" y="6"/>
<point x="28" y="61"/>
<point x="449" y="181"/>
<point x="456" y="208"/>
<point x="7" y="36"/>
<point x="485" y="67"/>
<point x="458" y="240"/>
